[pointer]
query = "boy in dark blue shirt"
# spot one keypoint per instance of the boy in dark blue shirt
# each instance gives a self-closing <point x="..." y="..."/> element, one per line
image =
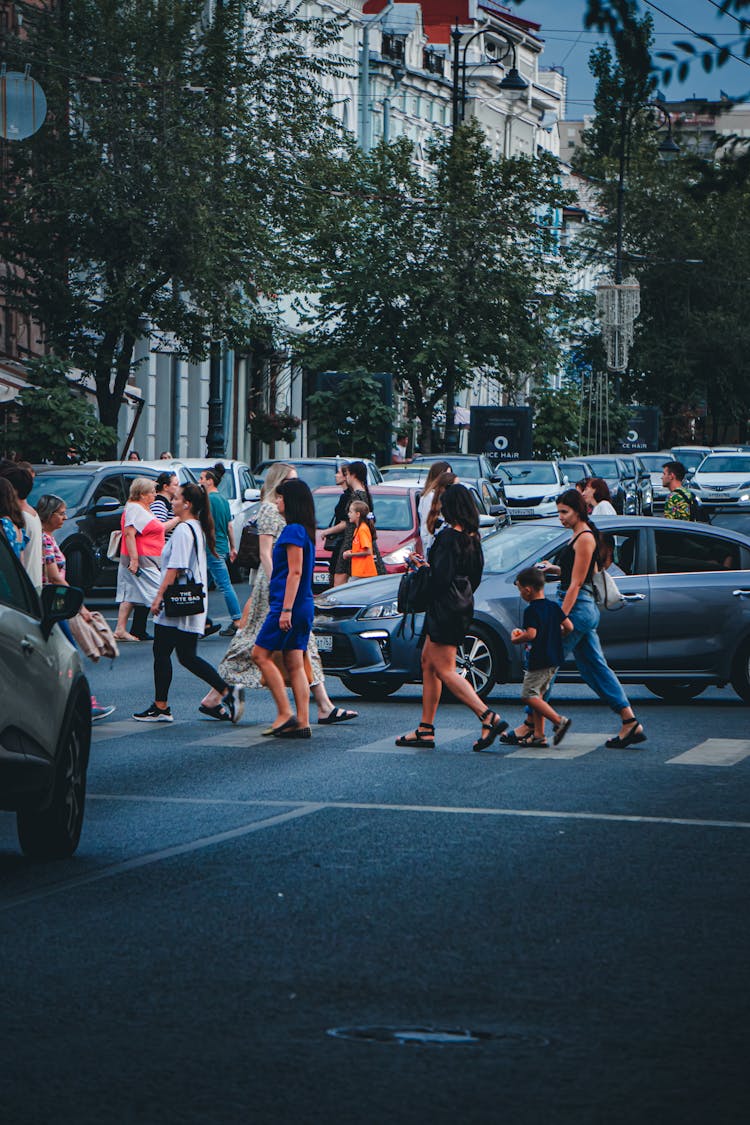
<point x="543" y="626"/>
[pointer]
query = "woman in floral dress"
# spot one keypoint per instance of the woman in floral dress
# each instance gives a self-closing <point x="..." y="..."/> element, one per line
<point x="238" y="666"/>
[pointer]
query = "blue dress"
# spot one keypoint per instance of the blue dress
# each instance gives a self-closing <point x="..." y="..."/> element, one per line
<point x="270" y="636"/>
<point x="17" y="545"/>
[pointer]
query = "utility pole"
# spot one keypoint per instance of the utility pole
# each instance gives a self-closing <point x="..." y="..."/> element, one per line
<point x="215" y="432"/>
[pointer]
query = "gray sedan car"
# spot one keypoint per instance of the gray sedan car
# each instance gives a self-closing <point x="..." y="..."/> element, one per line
<point x="685" y="623"/>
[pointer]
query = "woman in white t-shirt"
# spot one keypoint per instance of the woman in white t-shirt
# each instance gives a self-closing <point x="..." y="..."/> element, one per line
<point x="597" y="496"/>
<point x="186" y="550"/>
<point x="425" y="502"/>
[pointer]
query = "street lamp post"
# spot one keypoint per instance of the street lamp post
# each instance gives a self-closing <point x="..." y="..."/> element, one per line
<point x="513" y="82"/>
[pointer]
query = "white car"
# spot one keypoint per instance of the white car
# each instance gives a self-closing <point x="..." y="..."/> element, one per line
<point x="238" y="486"/>
<point x="722" y="478"/>
<point x="654" y="464"/>
<point x="531" y="487"/>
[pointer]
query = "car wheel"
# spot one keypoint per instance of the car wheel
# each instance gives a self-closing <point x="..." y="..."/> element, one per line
<point x="79" y="569"/>
<point x="54" y="832"/>
<point x="374" y="690"/>
<point x="741" y="673"/>
<point x="676" y="691"/>
<point x="476" y="661"/>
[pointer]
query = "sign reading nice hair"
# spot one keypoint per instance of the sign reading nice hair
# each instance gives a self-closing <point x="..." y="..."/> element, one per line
<point x="503" y="432"/>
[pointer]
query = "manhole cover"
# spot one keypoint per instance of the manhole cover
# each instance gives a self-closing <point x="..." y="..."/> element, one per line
<point x="431" y="1036"/>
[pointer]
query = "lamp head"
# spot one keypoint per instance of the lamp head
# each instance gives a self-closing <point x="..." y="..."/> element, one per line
<point x="514" y="81"/>
<point x="668" y="149"/>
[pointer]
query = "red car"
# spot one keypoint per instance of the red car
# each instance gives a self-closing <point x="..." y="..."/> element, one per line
<point x="397" y="521"/>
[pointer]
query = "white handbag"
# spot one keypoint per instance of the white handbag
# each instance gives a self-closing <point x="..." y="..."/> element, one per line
<point x="114" y="545"/>
<point x="606" y="591"/>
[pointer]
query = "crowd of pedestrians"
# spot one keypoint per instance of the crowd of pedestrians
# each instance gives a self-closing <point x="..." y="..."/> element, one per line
<point x="170" y="532"/>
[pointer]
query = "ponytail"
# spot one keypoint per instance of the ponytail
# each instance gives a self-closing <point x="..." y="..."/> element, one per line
<point x="196" y="497"/>
<point x="572" y="498"/>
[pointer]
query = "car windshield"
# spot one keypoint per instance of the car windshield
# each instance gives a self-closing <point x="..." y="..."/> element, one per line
<point x="654" y="462"/>
<point x="528" y="472"/>
<point x="393" y="513"/>
<point x="461" y="466"/>
<point x="605" y="468"/>
<point x="507" y="549"/>
<point x="315" y="474"/>
<point x="70" y="487"/>
<point x="725" y="463"/>
<point x="690" y="458"/>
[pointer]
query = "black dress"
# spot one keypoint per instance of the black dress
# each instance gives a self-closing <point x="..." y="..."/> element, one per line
<point x="336" y="542"/>
<point x="344" y="566"/>
<point x="456" y="565"/>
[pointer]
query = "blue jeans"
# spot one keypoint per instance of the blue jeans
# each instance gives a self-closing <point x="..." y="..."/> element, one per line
<point x="584" y="646"/>
<point x="217" y="568"/>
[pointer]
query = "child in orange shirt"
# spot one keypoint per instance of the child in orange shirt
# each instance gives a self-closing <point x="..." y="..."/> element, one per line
<point x="362" y="555"/>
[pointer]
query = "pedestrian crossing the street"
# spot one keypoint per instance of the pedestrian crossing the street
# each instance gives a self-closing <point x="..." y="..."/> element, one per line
<point x="712" y="752"/>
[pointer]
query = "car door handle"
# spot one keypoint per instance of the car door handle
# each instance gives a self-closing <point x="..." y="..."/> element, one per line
<point x="28" y="647"/>
<point x="634" y="597"/>
<point x="741" y="593"/>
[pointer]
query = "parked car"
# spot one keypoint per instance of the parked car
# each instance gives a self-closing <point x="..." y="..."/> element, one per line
<point x="623" y="487"/>
<point x="665" y="637"/>
<point x="531" y="487"/>
<point x="45" y="718"/>
<point x="639" y="474"/>
<point x="318" y="471"/>
<point x="721" y="480"/>
<point x="575" y="470"/>
<point x="689" y="455"/>
<point x="653" y="463"/>
<point x="95" y="494"/>
<point x="463" y="464"/>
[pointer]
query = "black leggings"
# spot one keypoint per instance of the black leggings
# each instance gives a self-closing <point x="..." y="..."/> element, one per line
<point x="167" y="640"/>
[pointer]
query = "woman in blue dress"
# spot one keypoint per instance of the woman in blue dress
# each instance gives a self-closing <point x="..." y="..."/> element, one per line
<point x="287" y="627"/>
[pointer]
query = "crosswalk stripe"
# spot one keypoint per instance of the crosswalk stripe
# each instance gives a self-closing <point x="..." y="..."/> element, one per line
<point x="575" y="746"/>
<point x="122" y="727"/>
<point x="714" y="752"/>
<point x="388" y="746"/>
<point x="227" y="735"/>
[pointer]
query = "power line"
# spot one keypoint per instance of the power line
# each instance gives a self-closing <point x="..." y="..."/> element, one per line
<point x="743" y="23"/>
<point x="706" y="38"/>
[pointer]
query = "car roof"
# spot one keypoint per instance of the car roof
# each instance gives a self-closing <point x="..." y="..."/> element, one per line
<point x="660" y="523"/>
<point x="375" y="489"/>
<point x="209" y="462"/>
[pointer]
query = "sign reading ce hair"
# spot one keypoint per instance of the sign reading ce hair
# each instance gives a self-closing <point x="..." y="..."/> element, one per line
<point x="643" y="431"/>
<point x="503" y="432"/>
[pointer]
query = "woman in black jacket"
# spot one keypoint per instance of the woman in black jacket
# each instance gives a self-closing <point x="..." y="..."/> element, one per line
<point x="456" y="563"/>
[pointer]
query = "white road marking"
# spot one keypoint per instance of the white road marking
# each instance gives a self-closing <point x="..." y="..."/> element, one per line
<point x="714" y="752"/>
<point x="575" y="746"/>
<point x="388" y="745"/>
<point x="120" y="728"/>
<point x="453" y="810"/>
<point x="165" y="853"/>
<point x="225" y="734"/>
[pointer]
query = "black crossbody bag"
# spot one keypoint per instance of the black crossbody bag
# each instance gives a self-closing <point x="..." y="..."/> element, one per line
<point x="185" y="597"/>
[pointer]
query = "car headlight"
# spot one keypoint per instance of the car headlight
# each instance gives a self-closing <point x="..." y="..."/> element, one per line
<point x="745" y="486"/>
<point x="399" y="557"/>
<point x="381" y="609"/>
<point x="550" y="499"/>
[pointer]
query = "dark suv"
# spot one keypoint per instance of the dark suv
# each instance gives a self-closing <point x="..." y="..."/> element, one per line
<point x="620" y="477"/>
<point x="45" y="714"/>
<point x="94" y="495"/>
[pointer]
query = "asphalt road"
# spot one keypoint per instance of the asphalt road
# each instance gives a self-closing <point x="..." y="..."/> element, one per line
<point x="233" y="902"/>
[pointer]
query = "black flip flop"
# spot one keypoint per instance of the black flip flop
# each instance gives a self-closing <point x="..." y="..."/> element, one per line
<point x="217" y="712"/>
<point x="338" y="715"/>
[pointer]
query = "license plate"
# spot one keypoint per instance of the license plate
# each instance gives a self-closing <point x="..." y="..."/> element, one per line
<point x="324" y="642"/>
<point x="522" y="511"/>
<point x="320" y="579"/>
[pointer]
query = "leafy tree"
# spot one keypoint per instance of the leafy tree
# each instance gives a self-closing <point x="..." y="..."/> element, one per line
<point x="350" y="416"/>
<point x="54" y="424"/>
<point x="557" y="420"/>
<point x="163" y="191"/>
<point x="433" y="278"/>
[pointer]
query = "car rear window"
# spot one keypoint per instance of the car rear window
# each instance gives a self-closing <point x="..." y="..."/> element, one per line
<point x="70" y="487"/>
<point x="315" y="475"/>
<point x="392" y="513"/>
<point x="508" y="549"/>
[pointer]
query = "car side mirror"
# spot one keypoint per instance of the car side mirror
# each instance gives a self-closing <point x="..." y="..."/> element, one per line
<point x="106" y="505"/>
<point x="566" y="479"/>
<point x="487" y="521"/>
<point x="497" y="509"/>
<point x="251" y="494"/>
<point x="58" y="604"/>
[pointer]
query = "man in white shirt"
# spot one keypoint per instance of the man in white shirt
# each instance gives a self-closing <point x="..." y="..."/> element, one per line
<point x="398" y="453"/>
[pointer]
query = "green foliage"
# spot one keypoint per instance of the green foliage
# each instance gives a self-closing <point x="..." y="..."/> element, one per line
<point x="557" y="419"/>
<point x="53" y="423"/>
<point x="350" y="416"/>
<point x="275" y="426"/>
<point x="432" y="278"/>
<point x="165" y="195"/>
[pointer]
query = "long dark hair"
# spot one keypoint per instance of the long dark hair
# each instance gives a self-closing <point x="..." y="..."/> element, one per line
<point x="9" y="503"/>
<point x="216" y="473"/>
<point x="358" y="469"/>
<point x="437" y="468"/>
<point x="298" y="504"/>
<point x="572" y="498"/>
<point x="442" y="481"/>
<point x="196" y="497"/>
<point x="163" y="480"/>
<point x="458" y="507"/>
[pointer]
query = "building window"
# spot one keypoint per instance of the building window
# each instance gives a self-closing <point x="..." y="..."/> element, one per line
<point x="433" y="62"/>
<point x="394" y="47"/>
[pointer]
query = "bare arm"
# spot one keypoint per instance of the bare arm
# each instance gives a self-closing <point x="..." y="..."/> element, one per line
<point x="131" y="550"/>
<point x="171" y="575"/>
<point x="294" y="559"/>
<point x="232" y="548"/>
<point x="265" y="549"/>
<point x="337" y="529"/>
<point x="521" y="636"/>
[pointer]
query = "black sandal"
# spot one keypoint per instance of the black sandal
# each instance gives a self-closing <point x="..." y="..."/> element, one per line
<point x="511" y="738"/>
<point x="630" y="739"/>
<point x="494" y="725"/>
<point x="424" y="737"/>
